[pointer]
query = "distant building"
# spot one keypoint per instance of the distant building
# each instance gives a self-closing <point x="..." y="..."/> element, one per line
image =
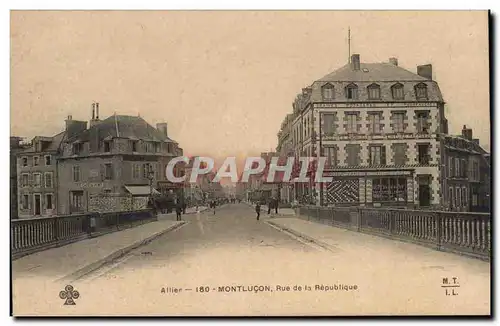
<point x="37" y="184"/>
<point x="114" y="159"/>
<point x="466" y="181"/>
<point x="16" y="146"/>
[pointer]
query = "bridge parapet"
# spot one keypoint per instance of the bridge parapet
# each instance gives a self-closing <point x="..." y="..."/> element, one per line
<point x="32" y="235"/>
<point x="458" y="232"/>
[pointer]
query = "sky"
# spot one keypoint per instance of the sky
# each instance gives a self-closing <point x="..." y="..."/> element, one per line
<point x="224" y="81"/>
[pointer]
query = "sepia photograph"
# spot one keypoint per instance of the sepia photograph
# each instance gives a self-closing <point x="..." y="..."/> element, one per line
<point x="251" y="163"/>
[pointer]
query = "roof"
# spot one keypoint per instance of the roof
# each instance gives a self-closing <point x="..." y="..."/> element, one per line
<point x="55" y="142"/>
<point x="123" y="126"/>
<point x="375" y="72"/>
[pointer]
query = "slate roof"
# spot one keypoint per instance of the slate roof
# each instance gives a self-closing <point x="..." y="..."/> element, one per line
<point x="53" y="146"/>
<point x="384" y="75"/>
<point x="123" y="126"/>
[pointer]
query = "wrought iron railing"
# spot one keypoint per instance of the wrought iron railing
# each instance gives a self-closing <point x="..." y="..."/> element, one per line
<point x="32" y="235"/>
<point x="459" y="232"/>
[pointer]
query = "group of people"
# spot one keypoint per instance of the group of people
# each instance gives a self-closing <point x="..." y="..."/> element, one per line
<point x="272" y="203"/>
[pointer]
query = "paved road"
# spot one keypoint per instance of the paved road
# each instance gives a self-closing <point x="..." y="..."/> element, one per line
<point x="231" y="264"/>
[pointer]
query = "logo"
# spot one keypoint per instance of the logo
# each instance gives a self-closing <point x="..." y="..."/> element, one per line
<point x="69" y="295"/>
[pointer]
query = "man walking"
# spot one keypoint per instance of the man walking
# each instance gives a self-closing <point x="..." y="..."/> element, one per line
<point x="276" y="204"/>
<point x="269" y="204"/>
<point x="257" y="210"/>
<point x="178" y="211"/>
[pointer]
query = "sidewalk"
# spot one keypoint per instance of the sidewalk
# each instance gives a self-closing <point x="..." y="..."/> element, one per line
<point x="364" y="248"/>
<point x="172" y="215"/>
<point x="79" y="258"/>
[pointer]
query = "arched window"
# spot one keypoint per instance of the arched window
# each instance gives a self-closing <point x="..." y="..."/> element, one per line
<point x="351" y="92"/>
<point x="327" y="92"/>
<point x="374" y="92"/>
<point x="421" y="91"/>
<point x="397" y="91"/>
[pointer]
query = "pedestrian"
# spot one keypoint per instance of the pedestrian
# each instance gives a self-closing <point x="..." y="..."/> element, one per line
<point x="178" y="211"/>
<point x="257" y="210"/>
<point x="269" y="204"/>
<point x="276" y="204"/>
<point x="213" y="205"/>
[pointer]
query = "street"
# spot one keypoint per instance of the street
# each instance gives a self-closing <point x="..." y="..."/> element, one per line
<point x="231" y="264"/>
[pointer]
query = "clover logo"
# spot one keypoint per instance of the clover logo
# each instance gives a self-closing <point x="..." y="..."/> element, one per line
<point x="69" y="295"/>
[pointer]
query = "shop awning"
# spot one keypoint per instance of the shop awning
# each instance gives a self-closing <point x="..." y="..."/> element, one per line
<point x="141" y="190"/>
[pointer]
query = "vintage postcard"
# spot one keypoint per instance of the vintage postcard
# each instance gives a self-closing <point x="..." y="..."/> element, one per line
<point x="250" y="163"/>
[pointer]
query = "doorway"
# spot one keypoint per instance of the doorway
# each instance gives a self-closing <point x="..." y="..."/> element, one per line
<point x="424" y="191"/>
<point x="38" y="205"/>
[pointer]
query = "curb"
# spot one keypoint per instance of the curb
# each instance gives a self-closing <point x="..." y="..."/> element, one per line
<point x="317" y="242"/>
<point x="115" y="255"/>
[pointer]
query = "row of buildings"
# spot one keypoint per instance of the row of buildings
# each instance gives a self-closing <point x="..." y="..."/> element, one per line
<point x="385" y="136"/>
<point x="114" y="164"/>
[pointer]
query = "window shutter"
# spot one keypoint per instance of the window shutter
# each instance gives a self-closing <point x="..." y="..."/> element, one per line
<point x="382" y="155"/>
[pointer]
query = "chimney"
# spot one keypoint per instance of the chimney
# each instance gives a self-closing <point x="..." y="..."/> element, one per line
<point x="93" y="111"/>
<point x="425" y="71"/>
<point x="97" y="111"/>
<point x="355" y="62"/>
<point x="393" y="61"/>
<point x="467" y="133"/>
<point x="74" y="127"/>
<point x="163" y="128"/>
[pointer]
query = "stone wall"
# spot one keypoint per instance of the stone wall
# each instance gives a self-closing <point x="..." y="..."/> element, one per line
<point x="112" y="203"/>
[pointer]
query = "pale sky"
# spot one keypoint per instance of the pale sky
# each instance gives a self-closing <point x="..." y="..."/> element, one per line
<point x="224" y="81"/>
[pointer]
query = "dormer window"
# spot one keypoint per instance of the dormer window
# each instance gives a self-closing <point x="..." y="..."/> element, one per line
<point x="352" y="92"/>
<point x="327" y="91"/>
<point x="77" y="148"/>
<point x="374" y="92"/>
<point x="107" y="146"/>
<point x="398" y="92"/>
<point x="421" y="91"/>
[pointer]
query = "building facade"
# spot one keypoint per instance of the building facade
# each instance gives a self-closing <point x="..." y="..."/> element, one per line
<point x="467" y="175"/>
<point x="37" y="177"/>
<point x="115" y="164"/>
<point x="378" y="126"/>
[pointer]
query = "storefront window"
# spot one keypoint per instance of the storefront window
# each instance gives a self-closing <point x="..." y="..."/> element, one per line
<point x="389" y="189"/>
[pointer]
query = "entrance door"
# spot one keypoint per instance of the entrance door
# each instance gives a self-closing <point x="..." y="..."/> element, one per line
<point x="38" y="205"/>
<point x="424" y="195"/>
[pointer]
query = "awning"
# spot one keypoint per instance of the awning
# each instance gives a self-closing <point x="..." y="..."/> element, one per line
<point x="141" y="190"/>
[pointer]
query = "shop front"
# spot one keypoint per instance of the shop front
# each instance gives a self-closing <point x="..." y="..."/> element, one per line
<point x="368" y="188"/>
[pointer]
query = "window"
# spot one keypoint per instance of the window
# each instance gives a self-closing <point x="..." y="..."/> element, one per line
<point x="451" y="198"/>
<point x="25" y="202"/>
<point x="24" y="161"/>
<point x="37" y="180"/>
<point x="462" y="168"/>
<point x="475" y="170"/>
<point x="457" y="167"/>
<point x="374" y="92"/>
<point x="49" y="201"/>
<point x="389" y="189"/>
<point x="327" y="92"/>
<point x="136" y="171"/>
<point x="352" y="92"/>
<point x="458" y="200"/>
<point x="329" y="123"/>
<point x="423" y="154"/>
<point x="108" y="171"/>
<point x="398" y="122"/>
<point x="107" y="146"/>
<point x="331" y="156"/>
<point x="25" y="180"/>
<point x="145" y="170"/>
<point x="399" y="154"/>
<point x="156" y="147"/>
<point x="36" y="161"/>
<point x="377" y="155"/>
<point x="77" y="148"/>
<point x="352" y="123"/>
<point x="48" y="180"/>
<point x="474" y="200"/>
<point x="133" y="145"/>
<point x="76" y="174"/>
<point x="464" y="196"/>
<point x="352" y="154"/>
<point x="421" y="91"/>
<point x="76" y="201"/>
<point x="422" y="125"/>
<point x="398" y="92"/>
<point x="374" y="123"/>
<point x="48" y="160"/>
<point x="169" y="148"/>
<point x="450" y="167"/>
